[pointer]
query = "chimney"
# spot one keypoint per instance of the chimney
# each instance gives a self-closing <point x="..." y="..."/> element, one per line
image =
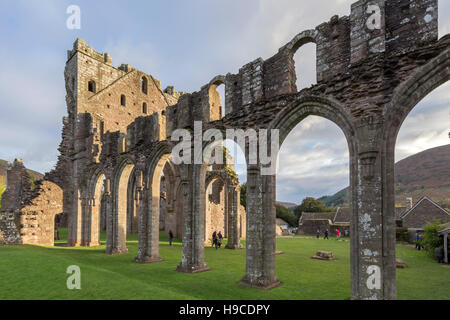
<point x="409" y="203"/>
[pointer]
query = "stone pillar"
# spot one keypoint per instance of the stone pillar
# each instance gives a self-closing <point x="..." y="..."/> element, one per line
<point x="193" y="184"/>
<point x="117" y="229"/>
<point x="90" y="236"/>
<point x="149" y="224"/>
<point x="261" y="237"/>
<point x="142" y="233"/>
<point x="373" y="271"/>
<point x="74" y="231"/>
<point x="94" y="227"/>
<point x="234" y="241"/>
<point x="108" y="217"/>
<point x="135" y="217"/>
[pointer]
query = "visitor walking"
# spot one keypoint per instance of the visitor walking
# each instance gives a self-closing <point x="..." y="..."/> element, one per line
<point x="417" y="240"/>
<point x="219" y="239"/>
<point x="214" y="239"/>
<point x="170" y="237"/>
<point x="421" y="242"/>
<point x="326" y="234"/>
<point x="318" y="234"/>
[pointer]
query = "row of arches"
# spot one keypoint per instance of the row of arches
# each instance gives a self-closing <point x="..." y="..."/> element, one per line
<point x="128" y="200"/>
<point x="371" y="151"/>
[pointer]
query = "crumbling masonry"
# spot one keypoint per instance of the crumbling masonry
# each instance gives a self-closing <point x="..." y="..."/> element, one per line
<point x="373" y="67"/>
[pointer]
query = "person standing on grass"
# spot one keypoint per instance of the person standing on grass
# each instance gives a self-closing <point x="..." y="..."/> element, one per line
<point x="318" y="234"/>
<point x="170" y="237"/>
<point x="338" y="234"/>
<point x="219" y="239"/>
<point x="417" y="240"/>
<point x="326" y="234"/>
<point x="214" y="239"/>
<point x="420" y="242"/>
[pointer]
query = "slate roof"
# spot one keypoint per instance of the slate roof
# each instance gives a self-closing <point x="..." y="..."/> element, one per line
<point x="417" y="207"/>
<point x="342" y="215"/>
<point x="316" y="216"/>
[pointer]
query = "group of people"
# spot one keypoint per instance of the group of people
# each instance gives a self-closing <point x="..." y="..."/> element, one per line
<point x="217" y="239"/>
<point x="419" y="238"/>
<point x="326" y="233"/>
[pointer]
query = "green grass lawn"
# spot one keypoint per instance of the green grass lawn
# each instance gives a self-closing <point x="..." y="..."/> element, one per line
<point x="33" y="272"/>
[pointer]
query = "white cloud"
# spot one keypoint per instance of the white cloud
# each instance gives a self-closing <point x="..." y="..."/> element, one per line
<point x="195" y="45"/>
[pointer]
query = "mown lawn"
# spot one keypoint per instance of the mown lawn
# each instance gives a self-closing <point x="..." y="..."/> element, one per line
<point x="32" y="272"/>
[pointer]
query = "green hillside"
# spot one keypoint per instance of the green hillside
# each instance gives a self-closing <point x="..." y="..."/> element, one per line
<point x="424" y="174"/>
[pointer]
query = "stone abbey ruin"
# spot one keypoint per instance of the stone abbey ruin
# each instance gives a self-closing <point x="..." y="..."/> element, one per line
<point x="373" y="67"/>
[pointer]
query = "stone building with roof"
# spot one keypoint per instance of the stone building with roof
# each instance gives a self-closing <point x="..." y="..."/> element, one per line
<point x="422" y="213"/>
<point x="310" y="222"/>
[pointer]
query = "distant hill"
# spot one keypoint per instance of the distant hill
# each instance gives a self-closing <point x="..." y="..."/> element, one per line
<point x="425" y="173"/>
<point x="287" y="205"/>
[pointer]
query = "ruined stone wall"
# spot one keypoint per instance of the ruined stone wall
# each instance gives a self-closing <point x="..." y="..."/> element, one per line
<point x="28" y="216"/>
<point x="216" y="216"/>
<point x="9" y="228"/>
<point x="37" y="217"/>
<point x="18" y="187"/>
<point x="362" y="73"/>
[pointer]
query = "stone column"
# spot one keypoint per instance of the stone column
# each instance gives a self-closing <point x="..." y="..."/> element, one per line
<point x="142" y="232"/>
<point x="234" y="241"/>
<point x="91" y="213"/>
<point x="373" y="272"/>
<point x="260" y="243"/>
<point x="85" y="219"/>
<point x="114" y="229"/>
<point x="108" y="217"/>
<point x="136" y="210"/>
<point x="193" y="183"/>
<point x="148" y="227"/>
<point x="75" y="221"/>
<point x="94" y="235"/>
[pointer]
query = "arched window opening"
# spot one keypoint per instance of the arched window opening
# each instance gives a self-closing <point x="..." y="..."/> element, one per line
<point x="217" y="101"/>
<point x="228" y="176"/>
<point x="221" y="90"/>
<point x="305" y="66"/>
<point x="144" y="108"/>
<point x="144" y="85"/>
<point x="92" y="87"/>
<point x="123" y="100"/>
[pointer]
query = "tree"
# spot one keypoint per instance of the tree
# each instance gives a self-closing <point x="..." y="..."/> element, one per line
<point x="431" y="239"/>
<point x="244" y="195"/>
<point x="310" y="204"/>
<point x="286" y="215"/>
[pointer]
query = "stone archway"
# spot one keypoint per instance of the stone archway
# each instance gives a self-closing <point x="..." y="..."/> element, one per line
<point x="261" y="236"/>
<point x="149" y="206"/>
<point x="116" y="227"/>
<point x="92" y="217"/>
<point x="407" y="95"/>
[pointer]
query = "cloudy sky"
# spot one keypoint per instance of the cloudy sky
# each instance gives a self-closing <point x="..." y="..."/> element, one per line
<point x="185" y="44"/>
